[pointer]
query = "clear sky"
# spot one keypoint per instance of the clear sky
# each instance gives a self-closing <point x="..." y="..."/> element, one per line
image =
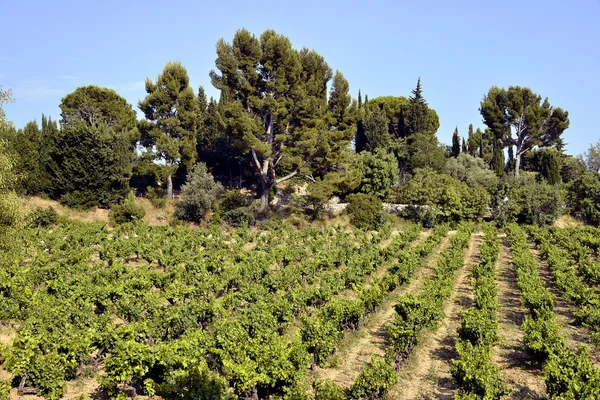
<point x="458" y="48"/>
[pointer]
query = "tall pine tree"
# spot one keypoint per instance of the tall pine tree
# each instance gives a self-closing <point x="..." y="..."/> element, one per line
<point x="170" y="108"/>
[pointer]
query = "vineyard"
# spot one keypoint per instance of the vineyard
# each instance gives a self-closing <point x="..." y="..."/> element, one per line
<point x="468" y="312"/>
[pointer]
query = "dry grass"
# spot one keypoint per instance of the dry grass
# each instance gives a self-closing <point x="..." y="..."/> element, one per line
<point x="567" y="221"/>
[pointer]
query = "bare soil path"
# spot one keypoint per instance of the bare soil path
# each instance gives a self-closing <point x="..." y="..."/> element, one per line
<point x="427" y="376"/>
<point x="524" y="379"/>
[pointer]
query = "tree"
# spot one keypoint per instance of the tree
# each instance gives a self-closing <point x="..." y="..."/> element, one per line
<point x="424" y="151"/>
<point x="198" y="194"/>
<point x="5" y="98"/>
<point x="277" y="108"/>
<point x="28" y="145"/>
<point x="93" y="105"/>
<point x="520" y="118"/>
<point x="376" y="131"/>
<point x="550" y="165"/>
<point x="380" y="173"/>
<point x="497" y="163"/>
<point x="89" y="165"/>
<point x="583" y="198"/>
<point x="455" y="143"/>
<point x="474" y="141"/>
<point x="591" y="157"/>
<point x="170" y="109"/>
<point x="472" y="170"/>
<point x="465" y="148"/>
<point x="89" y="161"/>
<point x="418" y="116"/>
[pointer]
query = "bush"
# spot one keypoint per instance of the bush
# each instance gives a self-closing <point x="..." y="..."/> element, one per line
<point x="380" y="173"/>
<point x="230" y="200"/>
<point x="157" y="196"/>
<point x="198" y="194"/>
<point x="319" y="193"/>
<point x="42" y="217"/>
<point x="374" y="380"/>
<point x="244" y="216"/>
<point x="583" y="198"/>
<point x="128" y="211"/>
<point x="11" y="214"/>
<point x="328" y="390"/>
<point x="365" y="211"/>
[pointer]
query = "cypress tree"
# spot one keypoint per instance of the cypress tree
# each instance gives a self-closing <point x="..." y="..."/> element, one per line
<point x="455" y="143"/>
<point x="498" y="157"/>
<point x="550" y="165"/>
<point x="465" y="149"/>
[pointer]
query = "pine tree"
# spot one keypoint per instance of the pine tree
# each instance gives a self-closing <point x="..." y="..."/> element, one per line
<point x="455" y="143"/>
<point x="170" y="108"/>
<point x="277" y="109"/>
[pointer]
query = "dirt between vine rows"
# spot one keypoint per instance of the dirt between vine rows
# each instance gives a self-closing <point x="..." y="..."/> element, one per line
<point x="428" y="374"/>
<point x="372" y="337"/>
<point x="524" y="379"/>
<point x="575" y="335"/>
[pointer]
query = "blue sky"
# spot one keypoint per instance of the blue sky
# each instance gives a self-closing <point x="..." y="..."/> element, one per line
<point x="459" y="49"/>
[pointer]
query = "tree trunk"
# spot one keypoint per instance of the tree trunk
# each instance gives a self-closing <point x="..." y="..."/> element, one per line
<point x="517" y="163"/>
<point x="264" y="198"/>
<point x="170" y="187"/>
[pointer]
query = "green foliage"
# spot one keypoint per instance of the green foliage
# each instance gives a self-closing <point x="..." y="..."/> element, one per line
<point x="374" y="380"/>
<point x="319" y="193"/>
<point x="446" y="197"/>
<point x="455" y="143"/>
<point x="471" y="170"/>
<point x="275" y="107"/>
<point x="366" y="212"/>
<point x="89" y="165"/>
<point x="128" y="211"/>
<point x="583" y="198"/>
<point x="239" y="217"/>
<point x="42" y="217"/>
<point x="475" y="374"/>
<point x="327" y="390"/>
<point x="231" y="199"/>
<point x="520" y="111"/>
<point x="170" y="109"/>
<point x="11" y="214"/>
<point x="550" y="165"/>
<point x="198" y="194"/>
<point x="380" y="173"/>
<point x="591" y="157"/>
<point x="157" y="196"/>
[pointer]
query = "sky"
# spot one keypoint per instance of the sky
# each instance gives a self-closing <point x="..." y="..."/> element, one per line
<point x="459" y="49"/>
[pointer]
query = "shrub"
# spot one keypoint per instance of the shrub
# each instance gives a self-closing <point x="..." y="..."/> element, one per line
<point x="157" y="196"/>
<point x="198" y="194"/>
<point x="42" y="217"/>
<point x="328" y="390"/>
<point x="128" y="211"/>
<point x="374" y="380"/>
<point x="583" y="198"/>
<point x="10" y="210"/>
<point x="319" y="193"/>
<point x="244" y="216"/>
<point x="365" y="211"/>
<point x="230" y="200"/>
<point x="380" y="173"/>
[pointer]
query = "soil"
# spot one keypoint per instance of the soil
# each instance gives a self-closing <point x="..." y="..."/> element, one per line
<point x="428" y="374"/>
<point x="524" y="379"/>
